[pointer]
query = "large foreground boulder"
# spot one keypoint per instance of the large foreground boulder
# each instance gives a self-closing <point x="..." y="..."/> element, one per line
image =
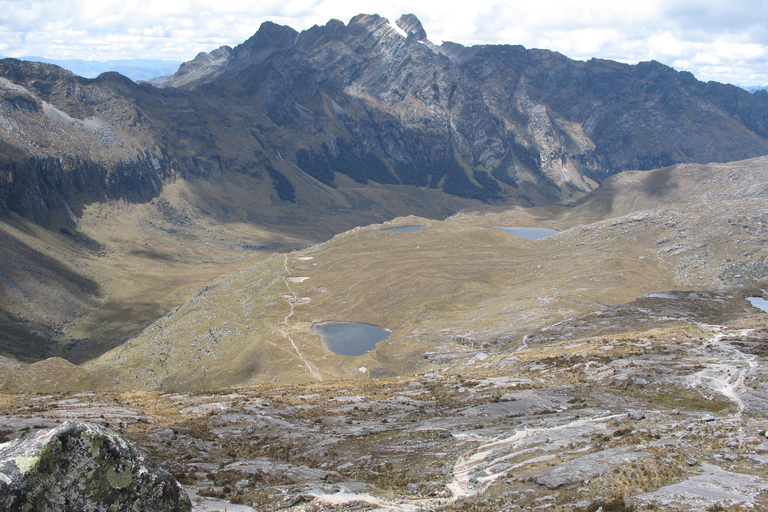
<point x="82" y="467"/>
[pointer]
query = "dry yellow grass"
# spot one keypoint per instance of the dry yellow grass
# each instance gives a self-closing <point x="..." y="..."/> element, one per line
<point x="162" y="411"/>
<point x="8" y="401"/>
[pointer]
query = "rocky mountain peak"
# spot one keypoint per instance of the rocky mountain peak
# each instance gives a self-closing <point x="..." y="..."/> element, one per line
<point x="317" y="36"/>
<point x="270" y="36"/>
<point x="372" y="21"/>
<point x="202" y="66"/>
<point x="206" y="66"/>
<point x="412" y="26"/>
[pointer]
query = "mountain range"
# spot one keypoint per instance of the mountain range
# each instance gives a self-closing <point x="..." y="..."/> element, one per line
<point x="135" y="69"/>
<point x="361" y="104"/>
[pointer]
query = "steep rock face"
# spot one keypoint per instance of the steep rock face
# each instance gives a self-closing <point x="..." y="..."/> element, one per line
<point x="80" y="466"/>
<point x="648" y="115"/>
<point x="68" y="141"/>
<point x="41" y="188"/>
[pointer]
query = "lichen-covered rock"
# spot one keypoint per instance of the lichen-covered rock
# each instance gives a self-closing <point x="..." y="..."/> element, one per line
<point x="82" y="467"/>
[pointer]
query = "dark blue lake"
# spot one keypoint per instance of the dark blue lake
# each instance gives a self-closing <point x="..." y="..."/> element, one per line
<point x="350" y="338"/>
<point x="406" y="228"/>
<point x="530" y="233"/>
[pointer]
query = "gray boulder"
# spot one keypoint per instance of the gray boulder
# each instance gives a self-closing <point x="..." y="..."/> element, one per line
<point x="82" y="467"/>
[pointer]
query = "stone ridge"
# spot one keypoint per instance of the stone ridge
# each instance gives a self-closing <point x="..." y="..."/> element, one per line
<point x="81" y="466"/>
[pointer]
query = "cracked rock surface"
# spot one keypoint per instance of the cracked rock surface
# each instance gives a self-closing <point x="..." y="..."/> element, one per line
<point x="83" y="467"/>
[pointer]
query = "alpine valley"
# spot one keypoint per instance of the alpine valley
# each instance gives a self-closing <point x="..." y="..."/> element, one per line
<point x="170" y="249"/>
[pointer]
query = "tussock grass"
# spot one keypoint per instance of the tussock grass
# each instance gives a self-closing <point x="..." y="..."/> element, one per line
<point x="8" y="402"/>
<point x="160" y="409"/>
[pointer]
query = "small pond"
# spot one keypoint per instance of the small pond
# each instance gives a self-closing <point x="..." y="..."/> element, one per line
<point x="406" y="228"/>
<point x="668" y="295"/>
<point x="530" y="233"/>
<point x="350" y="338"/>
<point x="759" y="303"/>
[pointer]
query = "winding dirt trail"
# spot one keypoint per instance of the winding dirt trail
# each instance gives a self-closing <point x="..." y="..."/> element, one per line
<point x="476" y="469"/>
<point x="727" y="375"/>
<point x="291" y="302"/>
<point x="725" y="372"/>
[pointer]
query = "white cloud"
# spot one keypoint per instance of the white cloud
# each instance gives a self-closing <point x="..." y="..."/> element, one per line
<point x="714" y="39"/>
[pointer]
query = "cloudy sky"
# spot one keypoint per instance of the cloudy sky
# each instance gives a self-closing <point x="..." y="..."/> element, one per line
<point x="724" y="40"/>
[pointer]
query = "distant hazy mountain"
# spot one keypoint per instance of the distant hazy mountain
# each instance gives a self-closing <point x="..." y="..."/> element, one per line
<point x="754" y="88"/>
<point x="135" y="69"/>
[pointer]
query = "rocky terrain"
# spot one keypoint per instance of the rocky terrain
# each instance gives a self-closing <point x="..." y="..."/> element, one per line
<point x="672" y="419"/>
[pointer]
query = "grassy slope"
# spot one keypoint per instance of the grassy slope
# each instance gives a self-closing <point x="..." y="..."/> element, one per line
<point x="443" y="284"/>
<point x="457" y="283"/>
<point x="127" y="265"/>
<point x="77" y="294"/>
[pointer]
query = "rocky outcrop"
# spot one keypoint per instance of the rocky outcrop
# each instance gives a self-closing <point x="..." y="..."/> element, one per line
<point x="82" y="466"/>
<point x="582" y="469"/>
<point x="70" y="141"/>
<point x="53" y="190"/>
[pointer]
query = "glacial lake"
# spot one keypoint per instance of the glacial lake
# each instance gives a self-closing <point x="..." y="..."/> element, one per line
<point x="759" y="303"/>
<point x="406" y="228"/>
<point x="350" y="338"/>
<point x="668" y="295"/>
<point x="530" y="233"/>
